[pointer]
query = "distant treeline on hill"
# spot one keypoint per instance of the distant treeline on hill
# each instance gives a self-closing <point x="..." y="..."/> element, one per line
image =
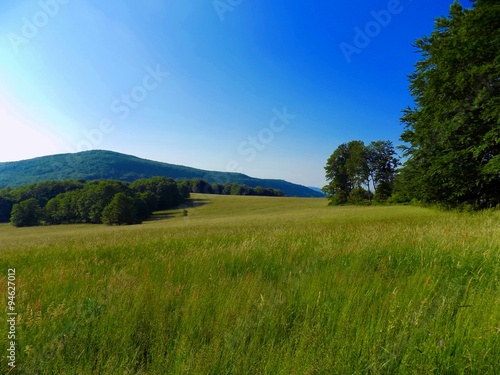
<point x="202" y="186"/>
<point x="105" y="201"/>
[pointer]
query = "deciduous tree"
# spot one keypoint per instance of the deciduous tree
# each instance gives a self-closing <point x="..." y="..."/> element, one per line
<point x="453" y="131"/>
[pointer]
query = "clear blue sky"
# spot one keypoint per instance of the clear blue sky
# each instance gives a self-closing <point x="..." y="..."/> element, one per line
<point x="266" y="87"/>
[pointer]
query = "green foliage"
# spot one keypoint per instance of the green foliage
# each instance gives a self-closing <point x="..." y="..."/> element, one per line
<point x="202" y="186"/>
<point x="165" y="189"/>
<point x="353" y="166"/>
<point x="65" y="209"/>
<point x="26" y="214"/>
<point x="121" y="210"/>
<point x="340" y="183"/>
<point x="359" y="196"/>
<point x="184" y="188"/>
<point x="88" y="204"/>
<point x="382" y="164"/>
<point x="383" y="192"/>
<point x="197" y="185"/>
<point x="356" y="163"/>
<point x="70" y="202"/>
<point x="44" y="191"/>
<point x="453" y="131"/>
<point x="150" y="199"/>
<point x="95" y="196"/>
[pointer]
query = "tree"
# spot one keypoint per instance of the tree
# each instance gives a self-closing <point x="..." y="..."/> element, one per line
<point x="120" y="211"/>
<point x="382" y="164"/>
<point x="44" y="191"/>
<point x="184" y="189"/>
<point x="357" y="163"/>
<point x="166" y="189"/>
<point x="339" y="185"/>
<point x="453" y="132"/>
<point x="95" y="196"/>
<point x="346" y="169"/>
<point x="353" y="166"/>
<point x="64" y="209"/>
<point x="26" y="214"/>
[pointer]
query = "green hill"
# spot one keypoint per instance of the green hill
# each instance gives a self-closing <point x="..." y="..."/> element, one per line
<point x="99" y="164"/>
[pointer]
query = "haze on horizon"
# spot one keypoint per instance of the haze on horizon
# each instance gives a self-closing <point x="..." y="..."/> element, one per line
<point x="264" y="88"/>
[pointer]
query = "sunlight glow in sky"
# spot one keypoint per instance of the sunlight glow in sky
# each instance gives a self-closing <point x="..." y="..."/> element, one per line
<point x="200" y="83"/>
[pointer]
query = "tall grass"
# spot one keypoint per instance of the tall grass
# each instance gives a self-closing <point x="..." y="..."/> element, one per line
<point x="250" y="285"/>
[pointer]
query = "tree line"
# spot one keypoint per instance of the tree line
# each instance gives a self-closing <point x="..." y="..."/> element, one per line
<point x="452" y="133"/>
<point x="197" y="185"/>
<point x="105" y="201"/>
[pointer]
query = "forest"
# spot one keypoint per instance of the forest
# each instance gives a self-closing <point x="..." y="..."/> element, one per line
<point x="106" y="201"/>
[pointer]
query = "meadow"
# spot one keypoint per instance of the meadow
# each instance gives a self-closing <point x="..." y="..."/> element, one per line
<point x="255" y="285"/>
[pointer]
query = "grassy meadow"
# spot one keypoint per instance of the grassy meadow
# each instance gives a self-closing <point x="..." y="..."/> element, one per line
<point x="254" y="285"/>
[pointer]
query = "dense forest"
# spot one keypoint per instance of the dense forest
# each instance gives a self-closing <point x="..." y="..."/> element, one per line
<point x="105" y="201"/>
<point x="452" y="134"/>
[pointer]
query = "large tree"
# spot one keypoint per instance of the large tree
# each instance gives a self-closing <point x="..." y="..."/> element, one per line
<point x="453" y="131"/>
<point x="339" y="184"/>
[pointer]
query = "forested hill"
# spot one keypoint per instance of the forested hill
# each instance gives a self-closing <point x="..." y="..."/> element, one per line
<point x="99" y="164"/>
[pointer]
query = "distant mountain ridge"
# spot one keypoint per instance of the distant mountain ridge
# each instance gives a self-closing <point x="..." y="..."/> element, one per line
<point x="101" y="164"/>
<point x="319" y="190"/>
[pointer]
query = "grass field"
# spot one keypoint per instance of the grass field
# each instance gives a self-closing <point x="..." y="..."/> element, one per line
<point x="250" y="285"/>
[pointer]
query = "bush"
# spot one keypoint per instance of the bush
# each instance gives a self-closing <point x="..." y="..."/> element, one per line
<point x="360" y="196"/>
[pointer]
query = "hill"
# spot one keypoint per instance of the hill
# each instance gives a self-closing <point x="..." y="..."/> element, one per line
<point x="317" y="189"/>
<point x="100" y="164"/>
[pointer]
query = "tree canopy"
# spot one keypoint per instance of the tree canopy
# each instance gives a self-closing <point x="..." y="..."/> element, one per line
<point x="121" y="210"/>
<point x="26" y="214"/>
<point x="453" y="131"/>
<point x="354" y="167"/>
<point x="69" y="202"/>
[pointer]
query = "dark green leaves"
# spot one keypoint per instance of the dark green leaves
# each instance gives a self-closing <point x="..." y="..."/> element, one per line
<point x="453" y="131"/>
<point x="354" y="167"/>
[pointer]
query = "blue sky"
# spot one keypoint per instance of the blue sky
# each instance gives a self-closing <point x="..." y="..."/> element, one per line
<point x="265" y="87"/>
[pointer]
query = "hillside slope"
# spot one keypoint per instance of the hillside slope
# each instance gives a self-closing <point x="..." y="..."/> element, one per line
<point x="99" y="164"/>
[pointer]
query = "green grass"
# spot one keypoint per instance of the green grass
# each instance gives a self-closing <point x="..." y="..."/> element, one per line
<point x="253" y="285"/>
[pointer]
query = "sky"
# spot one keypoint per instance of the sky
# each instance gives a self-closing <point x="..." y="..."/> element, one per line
<point x="267" y="88"/>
